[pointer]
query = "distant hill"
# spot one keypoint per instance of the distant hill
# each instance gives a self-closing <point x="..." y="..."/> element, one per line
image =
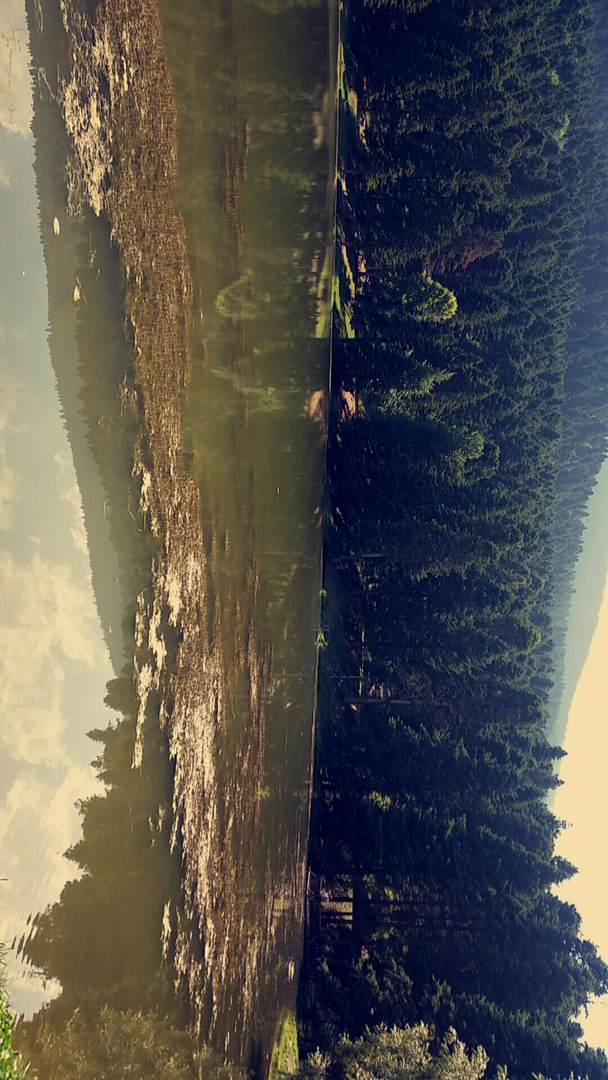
<point x="585" y="411"/>
<point x="586" y="598"/>
<point x="90" y="356"/>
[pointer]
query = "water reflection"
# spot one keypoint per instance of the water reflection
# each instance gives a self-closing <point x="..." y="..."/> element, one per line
<point x="52" y="659"/>
<point x="101" y="940"/>
<point x="190" y="363"/>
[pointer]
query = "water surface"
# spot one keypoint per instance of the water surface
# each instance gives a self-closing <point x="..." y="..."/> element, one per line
<point x="183" y="164"/>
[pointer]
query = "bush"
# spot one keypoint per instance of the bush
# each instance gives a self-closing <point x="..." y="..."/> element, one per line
<point x="398" y="1054"/>
<point x="11" y="1064"/>
<point x="428" y="301"/>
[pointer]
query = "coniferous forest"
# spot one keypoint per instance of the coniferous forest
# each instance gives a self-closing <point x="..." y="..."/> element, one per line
<point x="466" y="318"/>
<point x="470" y="379"/>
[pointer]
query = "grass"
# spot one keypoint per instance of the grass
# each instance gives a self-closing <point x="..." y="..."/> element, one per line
<point x="342" y="310"/>
<point x="347" y="94"/>
<point x="343" y="284"/>
<point x="12" y="1066"/>
<point x="342" y="72"/>
<point x="284" y="1055"/>
<point x="348" y="273"/>
<point x="323" y="306"/>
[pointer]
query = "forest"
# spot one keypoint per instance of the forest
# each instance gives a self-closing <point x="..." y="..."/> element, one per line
<point x="470" y="380"/>
<point x="468" y="421"/>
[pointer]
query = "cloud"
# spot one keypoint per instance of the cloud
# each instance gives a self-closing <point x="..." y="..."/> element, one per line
<point x="5" y="180"/>
<point x="38" y="823"/>
<point x="32" y="845"/>
<point x="9" y="393"/>
<point x="46" y="621"/>
<point x="78" y="531"/>
<point x="8" y="490"/>
<point x="64" y="462"/>
<point x="16" y="81"/>
<point x="13" y="343"/>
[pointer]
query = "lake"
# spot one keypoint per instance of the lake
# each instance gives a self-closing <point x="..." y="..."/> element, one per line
<point x="184" y="164"/>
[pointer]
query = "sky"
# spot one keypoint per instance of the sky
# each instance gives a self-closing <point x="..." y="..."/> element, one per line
<point x="582" y="801"/>
<point x="15" y="80"/>
<point x="53" y="661"/>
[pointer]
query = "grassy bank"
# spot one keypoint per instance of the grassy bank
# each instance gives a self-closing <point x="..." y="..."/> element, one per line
<point x="284" y="1055"/>
<point x="12" y="1066"/>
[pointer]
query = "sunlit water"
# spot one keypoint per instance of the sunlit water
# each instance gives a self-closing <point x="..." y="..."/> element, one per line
<point x="193" y="395"/>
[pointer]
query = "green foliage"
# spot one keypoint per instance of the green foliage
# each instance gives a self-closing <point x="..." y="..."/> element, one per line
<point x="434" y="766"/>
<point x="114" y="1044"/>
<point x="117" y="1010"/>
<point x="403" y="1054"/>
<point x="284" y="1052"/>
<point x="427" y="300"/>
<point x="398" y="1054"/>
<point x="397" y="399"/>
<point x="12" y="1066"/>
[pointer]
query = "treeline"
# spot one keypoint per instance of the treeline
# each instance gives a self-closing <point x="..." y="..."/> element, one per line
<point x="117" y="1012"/>
<point x="585" y="411"/>
<point x="468" y="137"/>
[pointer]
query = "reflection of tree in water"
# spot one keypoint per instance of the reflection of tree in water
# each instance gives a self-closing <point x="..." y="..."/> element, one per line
<point x="102" y="939"/>
<point x="239" y="808"/>
<point x="249" y="93"/>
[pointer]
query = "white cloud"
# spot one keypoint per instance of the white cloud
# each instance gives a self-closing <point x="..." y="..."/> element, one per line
<point x="22" y="797"/>
<point x="38" y="823"/>
<point x="12" y="344"/>
<point x="9" y="392"/>
<point x="46" y="621"/>
<point x="63" y="462"/>
<point x="15" y="79"/>
<point x="5" y="179"/>
<point x="78" y="531"/>
<point x="62" y="821"/>
<point x="7" y="491"/>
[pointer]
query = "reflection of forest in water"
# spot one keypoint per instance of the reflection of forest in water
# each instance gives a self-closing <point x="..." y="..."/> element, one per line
<point x="203" y="531"/>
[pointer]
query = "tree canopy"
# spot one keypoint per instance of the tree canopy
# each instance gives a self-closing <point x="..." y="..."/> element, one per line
<point x="472" y="268"/>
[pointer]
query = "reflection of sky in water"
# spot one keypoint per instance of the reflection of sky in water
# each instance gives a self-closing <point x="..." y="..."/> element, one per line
<point x="53" y="662"/>
<point x="15" y="81"/>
